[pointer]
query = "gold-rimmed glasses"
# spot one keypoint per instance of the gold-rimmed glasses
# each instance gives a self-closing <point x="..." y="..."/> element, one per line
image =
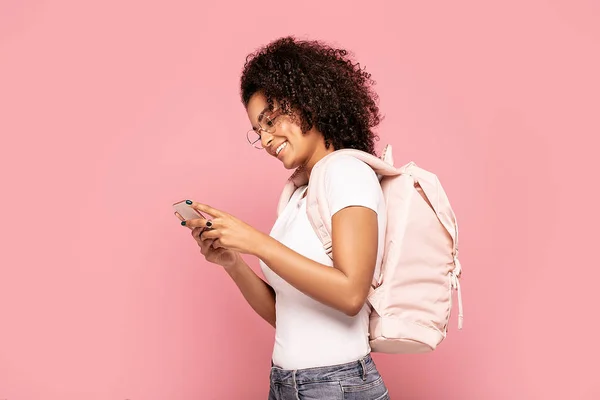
<point x="266" y="123"/>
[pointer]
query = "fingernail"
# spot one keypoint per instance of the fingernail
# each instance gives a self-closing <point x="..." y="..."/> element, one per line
<point x="189" y="202"/>
<point x="183" y="223"/>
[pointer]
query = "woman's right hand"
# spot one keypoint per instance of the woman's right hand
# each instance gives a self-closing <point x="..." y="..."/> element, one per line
<point x="221" y="256"/>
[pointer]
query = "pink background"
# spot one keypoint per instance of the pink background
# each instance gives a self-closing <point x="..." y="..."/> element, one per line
<point x="112" y="110"/>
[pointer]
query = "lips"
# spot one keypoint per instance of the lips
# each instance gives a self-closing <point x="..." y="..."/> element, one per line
<point x="280" y="148"/>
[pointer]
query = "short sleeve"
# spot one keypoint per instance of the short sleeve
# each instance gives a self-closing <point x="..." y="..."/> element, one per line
<point x="351" y="182"/>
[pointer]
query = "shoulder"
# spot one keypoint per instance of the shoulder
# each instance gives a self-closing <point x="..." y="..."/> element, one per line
<point x="344" y="166"/>
<point x="351" y="182"/>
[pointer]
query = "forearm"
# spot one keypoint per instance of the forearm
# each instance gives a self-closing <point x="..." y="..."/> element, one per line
<point x="256" y="291"/>
<point x="327" y="285"/>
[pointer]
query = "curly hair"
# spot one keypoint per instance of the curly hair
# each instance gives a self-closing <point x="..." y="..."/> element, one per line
<point x="318" y="84"/>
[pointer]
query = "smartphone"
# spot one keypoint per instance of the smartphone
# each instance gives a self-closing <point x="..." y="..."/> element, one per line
<point x="186" y="211"/>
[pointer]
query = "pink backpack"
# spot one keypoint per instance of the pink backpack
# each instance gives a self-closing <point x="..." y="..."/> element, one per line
<point x="411" y="299"/>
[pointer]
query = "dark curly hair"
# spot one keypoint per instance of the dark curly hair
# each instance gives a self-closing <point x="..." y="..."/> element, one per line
<point x="318" y="84"/>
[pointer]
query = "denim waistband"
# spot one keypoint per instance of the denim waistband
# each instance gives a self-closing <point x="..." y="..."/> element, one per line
<point x="337" y="372"/>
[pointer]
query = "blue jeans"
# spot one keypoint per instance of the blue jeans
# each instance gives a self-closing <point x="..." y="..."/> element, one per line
<point x="357" y="380"/>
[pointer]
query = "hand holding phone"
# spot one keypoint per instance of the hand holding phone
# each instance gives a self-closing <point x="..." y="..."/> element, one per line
<point x="221" y="256"/>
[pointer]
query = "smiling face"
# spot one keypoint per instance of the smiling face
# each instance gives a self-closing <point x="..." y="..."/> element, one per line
<point x="286" y="140"/>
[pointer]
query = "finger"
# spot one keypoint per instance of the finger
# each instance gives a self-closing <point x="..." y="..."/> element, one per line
<point x="216" y="244"/>
<point x="205" y="246"/>
<point x="210" y="234"/>
<point x="181" y="219"/>
<point x="201" y="223"/>
<point x="195" y="223"/>
<point x="202" y="242"/>
<point x="196" y="233"/>
<point x="203" y="208"/>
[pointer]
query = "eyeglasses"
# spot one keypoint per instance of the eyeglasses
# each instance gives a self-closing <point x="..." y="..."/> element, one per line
<point x="266" y="123"/>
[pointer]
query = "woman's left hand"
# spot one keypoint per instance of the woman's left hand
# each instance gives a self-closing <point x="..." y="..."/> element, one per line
<point x="226" y="230"/>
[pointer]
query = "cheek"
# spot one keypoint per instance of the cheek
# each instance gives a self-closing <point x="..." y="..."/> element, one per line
<point x="292" y="132"/>
<point x="285" y="127"/>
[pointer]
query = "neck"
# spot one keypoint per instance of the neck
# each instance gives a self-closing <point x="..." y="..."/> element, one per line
<point x="316" y="157"/>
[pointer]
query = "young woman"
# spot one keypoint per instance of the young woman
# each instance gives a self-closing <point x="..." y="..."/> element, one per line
<point x="305" y="100"/>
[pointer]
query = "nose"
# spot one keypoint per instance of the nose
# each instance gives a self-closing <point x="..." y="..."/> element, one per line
<point x="265" y="139"/>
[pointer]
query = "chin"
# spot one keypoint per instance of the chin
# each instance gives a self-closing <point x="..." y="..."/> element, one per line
<point x="289" y="165"/>
<point x="289" y="162"/>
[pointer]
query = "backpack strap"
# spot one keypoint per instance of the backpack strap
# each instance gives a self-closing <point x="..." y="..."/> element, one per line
<point x="318" y="211"/>
<point x="455" y="282"/>
<point x="298" y="178"/>
<point x="286" y="195"/>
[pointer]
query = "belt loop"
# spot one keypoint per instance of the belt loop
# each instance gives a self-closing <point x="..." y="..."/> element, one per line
<point x="296" y="391"/>
<point x="363" y="367"/>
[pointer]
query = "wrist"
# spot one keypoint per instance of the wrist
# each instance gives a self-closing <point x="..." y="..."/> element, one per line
<point x="261" y="244"/>
<point x="236" y="265"/>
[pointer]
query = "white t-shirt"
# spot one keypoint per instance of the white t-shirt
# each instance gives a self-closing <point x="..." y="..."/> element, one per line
<point x="309" y="333"/>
